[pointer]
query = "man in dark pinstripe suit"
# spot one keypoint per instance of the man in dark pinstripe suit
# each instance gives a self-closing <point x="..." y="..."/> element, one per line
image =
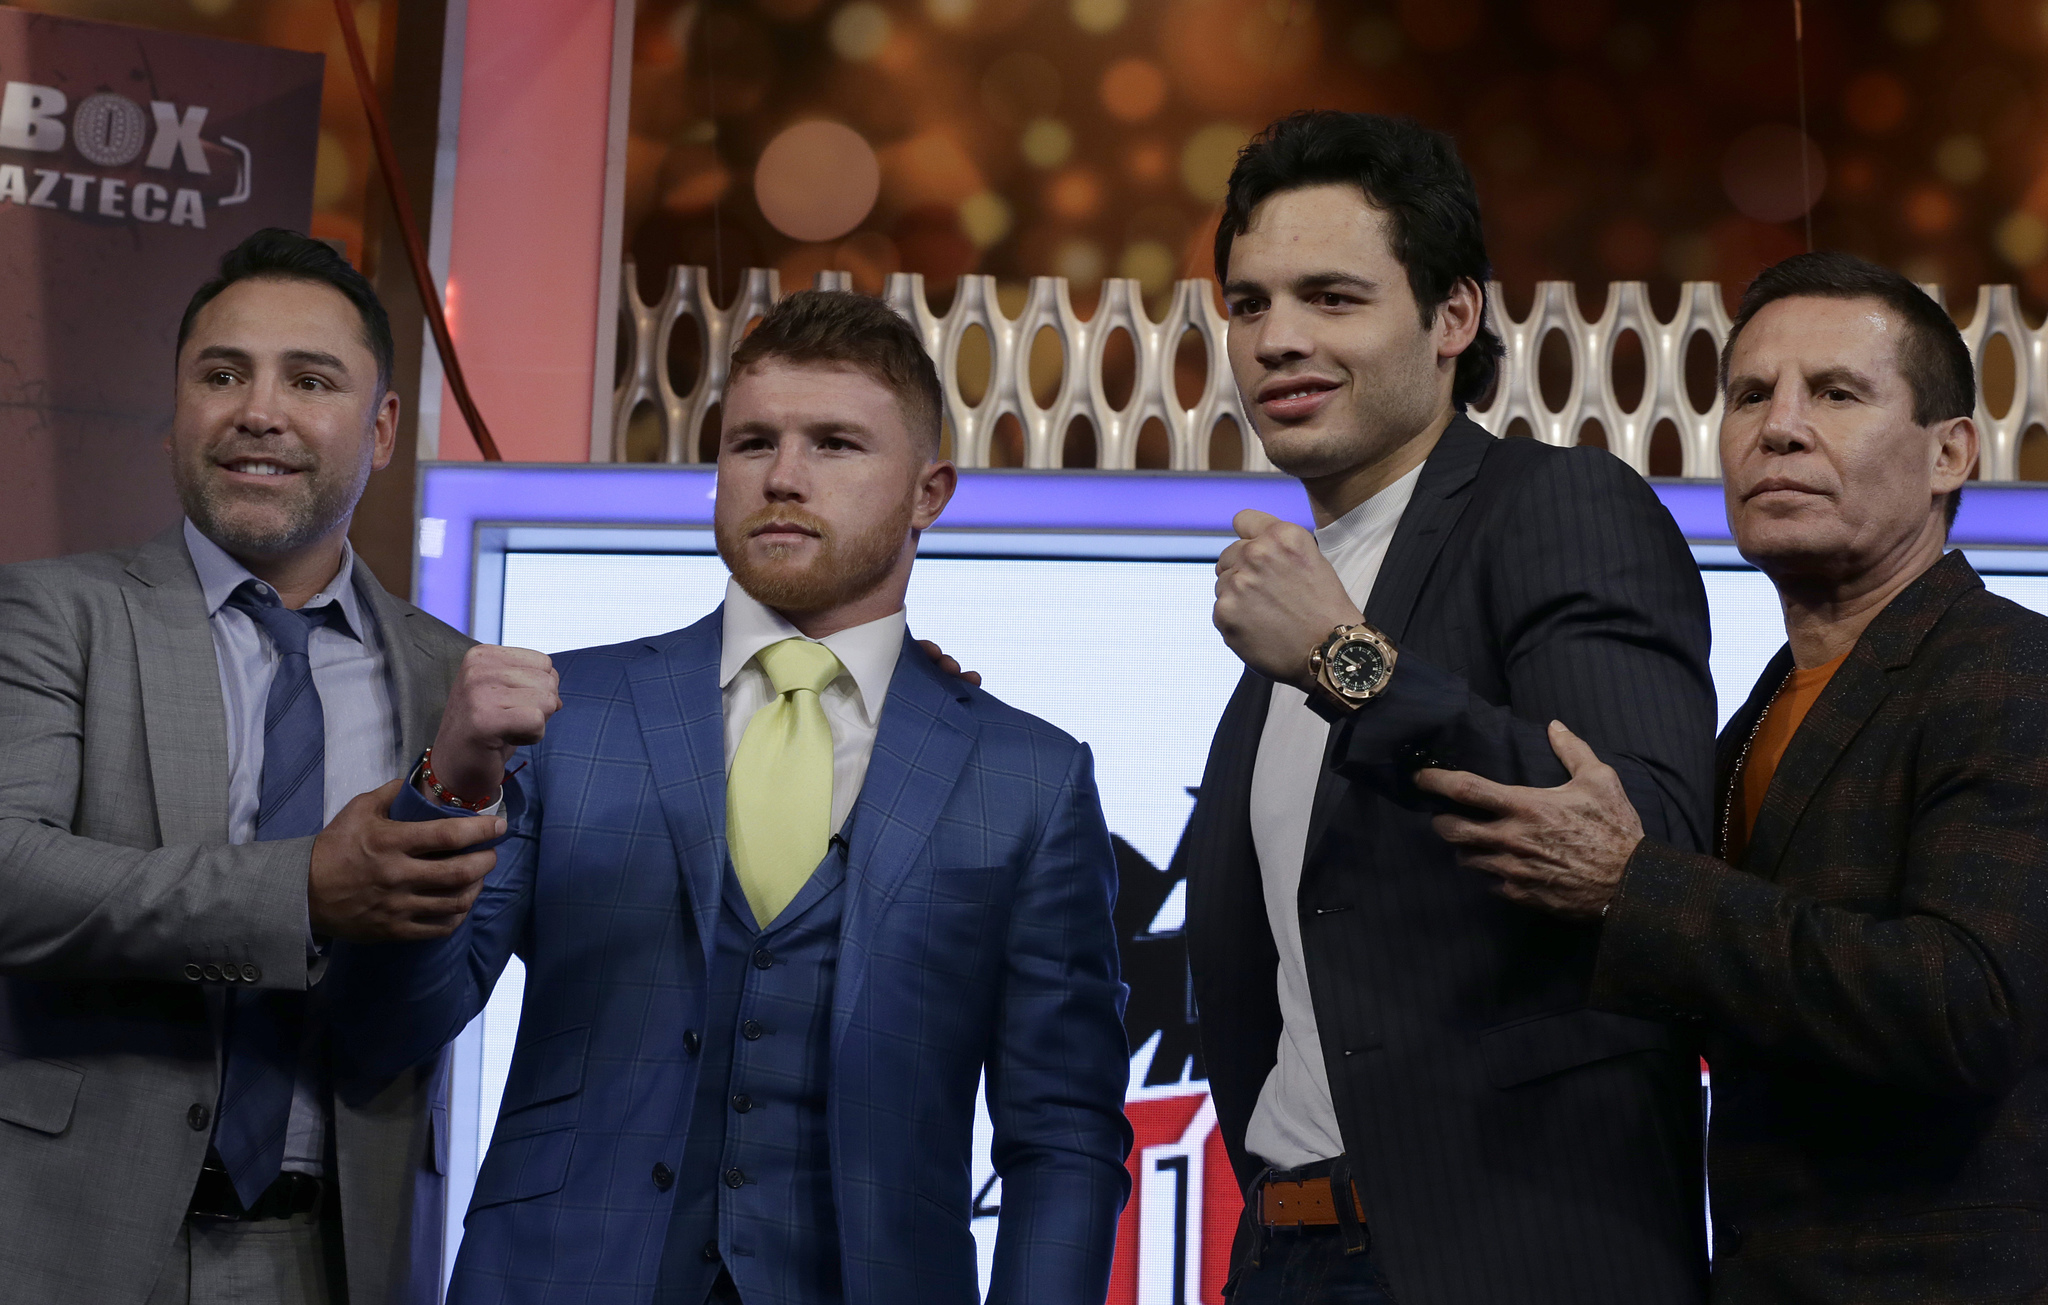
<point x="1865" y="955"/>
<point x="1419" y="1101"/>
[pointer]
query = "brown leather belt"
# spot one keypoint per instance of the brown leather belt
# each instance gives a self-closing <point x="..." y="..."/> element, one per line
<point x="1311" y="1202"/>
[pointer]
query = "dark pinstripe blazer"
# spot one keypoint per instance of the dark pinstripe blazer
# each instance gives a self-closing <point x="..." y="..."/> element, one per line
<point x="1873" y="977"/>
<point x="1512" y="1145"/>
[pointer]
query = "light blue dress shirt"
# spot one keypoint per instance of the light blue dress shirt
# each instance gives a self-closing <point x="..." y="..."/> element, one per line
<point x="360" y="706"/>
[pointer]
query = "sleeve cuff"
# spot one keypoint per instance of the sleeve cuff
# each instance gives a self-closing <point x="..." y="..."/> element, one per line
<point x="412" y="805"/>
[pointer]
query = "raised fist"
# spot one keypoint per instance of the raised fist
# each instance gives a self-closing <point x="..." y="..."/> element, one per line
<point x="1277" y="596"/>
<point x="501" y="701"/>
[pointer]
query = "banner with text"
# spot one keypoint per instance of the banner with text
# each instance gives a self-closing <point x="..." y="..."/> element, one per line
<point x="130" y="160"/>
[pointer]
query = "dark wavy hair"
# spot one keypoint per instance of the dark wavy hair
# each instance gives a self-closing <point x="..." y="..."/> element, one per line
<point x="277" y="254"/>
<point x="1932" y="356"/>
<point x="1408" y="172"/>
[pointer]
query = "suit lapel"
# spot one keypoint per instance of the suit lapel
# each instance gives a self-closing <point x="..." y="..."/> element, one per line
<point x="413" y="662"/>
<point x="1848" y="702"/>
<point x="184" y="719"/>
<point x="680" y="710"/>
<point x="921" y="750"/>
<point x="1441" y="497"/>
<point x="1735" y="739"/>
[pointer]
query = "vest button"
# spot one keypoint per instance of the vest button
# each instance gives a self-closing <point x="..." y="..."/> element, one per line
<point x="691" y="1041"/>
<point x="763" y="958"/>
<point x="711" y="1251"/>
<point x="735" y="1177"/>
<point x="199" y="1117"/>
<point x="664" y="1177"/>
<point x="752" y="1030"/>
<point x="742" y="1102"/>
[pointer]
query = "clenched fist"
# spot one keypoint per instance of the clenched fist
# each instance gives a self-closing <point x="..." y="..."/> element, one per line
<point x="1277" y="596"/>
<point x="501" y="701"/>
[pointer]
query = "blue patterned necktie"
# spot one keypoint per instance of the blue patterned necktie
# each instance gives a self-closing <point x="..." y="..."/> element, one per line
<point x="264" y="1027"/>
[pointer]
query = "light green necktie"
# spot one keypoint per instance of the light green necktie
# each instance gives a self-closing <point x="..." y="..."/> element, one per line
<point x="778" y="797"/>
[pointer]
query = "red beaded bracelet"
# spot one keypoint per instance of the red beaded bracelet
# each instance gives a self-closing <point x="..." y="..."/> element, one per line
<point x="441" y="794"/>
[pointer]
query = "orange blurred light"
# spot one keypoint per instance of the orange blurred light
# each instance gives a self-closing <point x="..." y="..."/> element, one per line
<point x="1148" y="162"/>
<point x="655" y="46"/>
<point x="1930" y="210"/>
<point x="1074" y="194"/>
<point x="697" y="191"/>
<point x="1874" y="102"/>
<point x="1857" y="176"/>
<point x="1133" y="89"/>
<point x="932" y="167"/>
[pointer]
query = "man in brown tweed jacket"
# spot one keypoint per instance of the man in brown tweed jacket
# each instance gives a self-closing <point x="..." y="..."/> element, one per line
<point x="1867" y="961"/>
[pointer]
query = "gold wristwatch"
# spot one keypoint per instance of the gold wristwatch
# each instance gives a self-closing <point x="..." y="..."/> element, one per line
<point x="1350" y="667"/>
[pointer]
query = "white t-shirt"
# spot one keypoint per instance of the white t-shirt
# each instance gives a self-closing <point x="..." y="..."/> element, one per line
<point x="1294" y="1123"/>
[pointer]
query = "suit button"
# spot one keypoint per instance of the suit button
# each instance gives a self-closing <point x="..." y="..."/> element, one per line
<point x="742" y="1102"/>
<point x="691" y="1041"/>
<point x="193" y="972"/>
<point x="231" y="974"/>
<point x="735" y="1177"/>
<point x="752" y="1030"/>
<point x="212" y="972"/>
<point x="763" y="958"/>
<point x="711" y="1251"/>
<point x="198" y="1117"/>
<point x="251" y="973"/>
<point x="664" y="1177"/>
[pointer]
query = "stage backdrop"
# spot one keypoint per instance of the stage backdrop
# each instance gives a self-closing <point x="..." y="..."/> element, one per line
<point x="130" y="160"/>
<point x="1070" y="591"/>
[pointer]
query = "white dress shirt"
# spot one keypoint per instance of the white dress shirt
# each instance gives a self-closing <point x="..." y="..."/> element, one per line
<point x="853" y="701"/>
<point x="357" y="702"/>
<point x="1294" y="1122"/>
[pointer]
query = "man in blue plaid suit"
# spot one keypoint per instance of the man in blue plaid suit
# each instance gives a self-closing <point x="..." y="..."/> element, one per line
<point x="735" y="1083"/>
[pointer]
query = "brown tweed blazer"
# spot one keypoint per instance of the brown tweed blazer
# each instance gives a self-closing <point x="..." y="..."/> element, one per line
<point x="1871" y="981"/>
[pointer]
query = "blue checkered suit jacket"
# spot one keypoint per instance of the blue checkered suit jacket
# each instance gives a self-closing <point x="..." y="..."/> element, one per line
<point x="977" y="934"/>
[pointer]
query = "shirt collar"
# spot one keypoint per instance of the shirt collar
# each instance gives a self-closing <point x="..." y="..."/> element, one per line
<point x="220" y="575"/>
<point x="1373" y="519"/>
<point x="868" y="652"/>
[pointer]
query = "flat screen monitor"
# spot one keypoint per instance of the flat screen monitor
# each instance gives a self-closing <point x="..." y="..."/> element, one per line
<point x="1083" y="598"/>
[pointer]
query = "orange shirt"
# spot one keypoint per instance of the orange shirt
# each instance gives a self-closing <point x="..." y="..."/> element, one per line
<point x="1781" y="721"/>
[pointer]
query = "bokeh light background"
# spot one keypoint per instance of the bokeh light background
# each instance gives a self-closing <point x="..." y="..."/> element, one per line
<point x="1091" y="138"/>
<point x="1085" y="138"/>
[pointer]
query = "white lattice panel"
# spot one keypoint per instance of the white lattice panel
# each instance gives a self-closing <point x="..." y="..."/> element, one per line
<point x="1590" y="394"/>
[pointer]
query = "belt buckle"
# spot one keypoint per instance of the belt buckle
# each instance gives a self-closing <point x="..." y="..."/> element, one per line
<point x="213" y="1197"/>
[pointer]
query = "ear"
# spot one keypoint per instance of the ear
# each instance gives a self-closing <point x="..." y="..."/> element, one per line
<point x="386" y="431"/>
<point x="1459" y="318"/>
<point x="935" y="486"/>
<point x="1955" y="453"/>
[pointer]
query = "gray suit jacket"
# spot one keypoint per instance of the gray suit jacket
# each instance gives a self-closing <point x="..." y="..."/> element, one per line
<point x="117" y="887"/>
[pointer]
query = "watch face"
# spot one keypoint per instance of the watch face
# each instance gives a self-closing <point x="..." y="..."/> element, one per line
<point x="1357" y="666"/>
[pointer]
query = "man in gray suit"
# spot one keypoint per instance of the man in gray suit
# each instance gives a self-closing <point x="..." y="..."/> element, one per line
<point x="199" y="740"/>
